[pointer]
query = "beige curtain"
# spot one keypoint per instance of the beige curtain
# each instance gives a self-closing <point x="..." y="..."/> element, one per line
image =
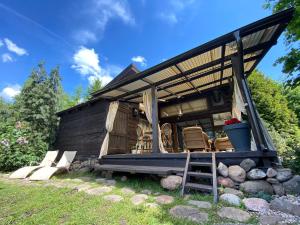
<point x="238" y="105"/>
<point x="147" y="102"/>
<point x="109" y="125"/>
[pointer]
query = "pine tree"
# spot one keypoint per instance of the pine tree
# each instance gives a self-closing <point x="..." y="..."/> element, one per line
<point x="96" y="85"/>
<point x="39" y="102"/>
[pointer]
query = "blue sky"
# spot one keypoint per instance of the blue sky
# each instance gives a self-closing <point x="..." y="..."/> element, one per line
<point x="99" y="38"/>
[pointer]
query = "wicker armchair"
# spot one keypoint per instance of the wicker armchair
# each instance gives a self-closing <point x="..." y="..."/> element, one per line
<point x="196" y="139"/>
<point x="222" y="144"/>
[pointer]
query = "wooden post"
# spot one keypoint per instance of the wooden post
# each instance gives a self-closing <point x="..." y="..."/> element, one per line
<point x="155" y="144"/>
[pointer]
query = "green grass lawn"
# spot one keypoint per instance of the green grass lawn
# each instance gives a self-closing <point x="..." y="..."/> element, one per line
<point x="28" y="204"/>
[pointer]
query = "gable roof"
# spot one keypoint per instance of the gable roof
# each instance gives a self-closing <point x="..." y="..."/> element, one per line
<point x="128" y="73"/>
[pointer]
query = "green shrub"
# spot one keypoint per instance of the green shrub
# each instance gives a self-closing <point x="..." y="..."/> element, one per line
<point x="19" y="146"/>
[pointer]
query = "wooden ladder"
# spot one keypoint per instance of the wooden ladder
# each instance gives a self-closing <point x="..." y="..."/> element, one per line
<point x="189" y="172"/>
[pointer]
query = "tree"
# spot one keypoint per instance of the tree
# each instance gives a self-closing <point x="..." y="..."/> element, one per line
<point x="27" y="126"/>
<point x="68" y="101"/>
<point x="282" y="123"/>
<point x="293" y="97"/>
<point x="96" y="85"/>
<point x="38" y="101"/>
<point x="290" y="61"/>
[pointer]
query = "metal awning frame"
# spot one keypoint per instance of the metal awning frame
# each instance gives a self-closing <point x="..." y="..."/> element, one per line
<point x="281" y="19"/>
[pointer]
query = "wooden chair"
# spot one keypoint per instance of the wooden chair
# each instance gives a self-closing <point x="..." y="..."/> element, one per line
<point x="166" y="136"/>
<point x="147" y="143"/>
<point x="222" y="144"/>
<point x="196" y="139"/>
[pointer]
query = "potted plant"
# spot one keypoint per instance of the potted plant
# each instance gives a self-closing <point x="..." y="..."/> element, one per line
<point x="239" y="134"/>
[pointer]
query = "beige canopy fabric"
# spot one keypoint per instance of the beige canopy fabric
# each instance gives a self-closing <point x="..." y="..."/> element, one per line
<point x="147" y="102"/>
<point x="110" y="119"/>
<point x="238" y="105"/>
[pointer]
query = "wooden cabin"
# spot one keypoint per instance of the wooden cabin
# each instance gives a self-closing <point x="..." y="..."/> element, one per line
<point x="141" y="110"/>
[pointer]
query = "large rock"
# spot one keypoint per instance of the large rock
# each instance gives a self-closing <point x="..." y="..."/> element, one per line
<point x="231" y="199"/>
<point x="223" y="169"/>
<point x="139" y="199"/>
<point x="110" y="182"/>
<point x="237" y="173"/>
<point x="254" y="187"/>
<point x="272" y="180"/>
<point x="278" y="189"/>
<point x="164" y="199"/>
<point x="270" y="220"/>
<point x="248" y="164"/>
<point x="226" y="182"/>
<point x="234" y="214"/>
<point x="285" y="206"/>
<point x="233" y="191"/>
<point x="171" y="182"/>
<point x="188" y="213"/>
<point x="98" y="190"/>
<point x="256" y="204"/>
<point x="284" y="174"/>
<point x="256" y="174"/>
<point x="271" y="172"/>
<point x="113" y="198"/>
<point x="200" y="204"/>
<point x="293" y="185"/>
<point x="127" y="191"/>
<point x="124" y="178"/>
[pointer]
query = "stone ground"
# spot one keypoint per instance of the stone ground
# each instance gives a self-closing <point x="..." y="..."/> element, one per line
<point x="192" y="210"/>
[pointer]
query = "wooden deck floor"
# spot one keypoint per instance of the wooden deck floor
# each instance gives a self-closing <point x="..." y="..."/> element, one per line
<point x="172" y="163"/>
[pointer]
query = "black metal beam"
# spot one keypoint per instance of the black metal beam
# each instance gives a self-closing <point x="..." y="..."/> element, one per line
<point x="275" y="36"/>
<point x="181" y="82"/>
<point x="238" y="67"/>
<point x="200" y="86"/>
<point x="186" y="78"/>
<point x="278" y="18"/>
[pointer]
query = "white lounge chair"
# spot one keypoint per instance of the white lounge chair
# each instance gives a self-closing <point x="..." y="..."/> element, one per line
<point x="47" y="172"/>
<point x="27" y="170"/>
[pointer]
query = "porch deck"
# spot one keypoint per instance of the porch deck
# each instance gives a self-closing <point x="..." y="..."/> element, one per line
<point x="173" y="163"/>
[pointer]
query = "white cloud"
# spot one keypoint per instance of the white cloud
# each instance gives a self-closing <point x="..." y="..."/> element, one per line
<point x="11" y="46"/>
<point x="86" y="62"/>
<point x="98" y="13"/>
<point x="173" y="8"/>
<point x="169" y="17"/>
<point x="104" y="78"/>
<point x="139" y="59"/>
<point x="9" y="92"/>
<point x="84" y="36"/>
<point x="6" y="57"/>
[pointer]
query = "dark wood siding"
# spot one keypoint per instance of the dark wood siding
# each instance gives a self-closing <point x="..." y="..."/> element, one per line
<point x="83" y="130"/>
<point x="123" y="137"/>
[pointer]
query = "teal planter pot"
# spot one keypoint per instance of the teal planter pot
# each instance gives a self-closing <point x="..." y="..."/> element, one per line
<point x="239" y="136"/>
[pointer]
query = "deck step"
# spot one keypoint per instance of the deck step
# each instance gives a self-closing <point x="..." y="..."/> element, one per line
<point x="199" y="174"/>
<point x="200" y="164"/>
<point x="201" y="187"/>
